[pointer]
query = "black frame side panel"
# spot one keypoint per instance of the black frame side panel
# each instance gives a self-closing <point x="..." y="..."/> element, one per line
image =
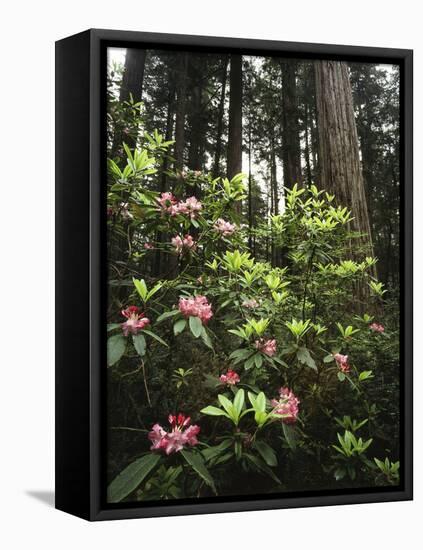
<point x="72" y="275"/>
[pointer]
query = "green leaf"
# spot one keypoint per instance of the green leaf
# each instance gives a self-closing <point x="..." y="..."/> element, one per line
<point x="303" y="356"/>
<point x="139" y="344"/>
<point x="141" y="288"/>
<point x="195" y="460"/>
<point x="258" y="360"/>
<point x="116" y="346"/>
<point x="206" y="338"/>
<point x="196" y="326"/>
<point x="153" y="335"/>
<point x="226" y="404"/>
<point x="179" y="326"/>
<point x="339" y="474"/>
<point x="328" y="358"/>
<point x="131" y="477"/>
<point x="213" y="411"/>
<point x="249" y="363"/>
<point x="166" y="315"/>
<point x="341" y="376"/>
<point x="113" y="326"/>
<point x="262" y="467"/>
<point x="260" y="404"/>
<point x="365" y="375"/>
<point x="266" y="452"/>
<point x="153" y="291"/>
<point x="239" y="401"/>
<point x="290" y="435"/>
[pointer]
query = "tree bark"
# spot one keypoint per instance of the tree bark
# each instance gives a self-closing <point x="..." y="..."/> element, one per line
<point x="235" y="117"/>
<point x="180" y="112"/>
<point x="133" y="75"/>
<point x="132" y="84"/>
<point x="250" y="190"/>
<point x="196" y="115"/>
<point x="219" y="130"/>
<point x="339" y="156"/>
<point x="291" y="150"/>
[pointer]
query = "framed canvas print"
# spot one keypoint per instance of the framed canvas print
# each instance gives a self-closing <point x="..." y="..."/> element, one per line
<point x="234" y="274"/>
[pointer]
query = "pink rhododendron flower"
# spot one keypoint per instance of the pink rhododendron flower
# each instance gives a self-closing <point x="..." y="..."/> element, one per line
<point x="268" y="347"/>
<point x="342" y="362"/>
<point x="190" y="206"/>
<point x="148" y="246"/>
<point x="376" y="327"/>
<point x="180" y="436"/>
<point x="287" y="404"/>
<point x="168" y="203"/>
<point x="197" y="173"/>
<point x="186" y="243"/>
<point x="135" y="320"/>
<point x="231" y="378"/>
<point x="224" y="228"/>
<point x="197" y="306"/>
<point x="250" y="304"/>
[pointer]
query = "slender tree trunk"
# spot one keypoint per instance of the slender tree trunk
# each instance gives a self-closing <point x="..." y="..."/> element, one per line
<point x="291" y="150"/>
<point x="133" y="75"/>
<point x="340" y="165"/>
<point x="219" y="130"/>
<point x="307" y="147"/>
<point x="181" y="90"/>
<point x="160" y="236"/>
<point x="235" y="117"/>
<point x="132" y="84"/>
<point x="195" y="116"/>
<point x="250" y="191"/>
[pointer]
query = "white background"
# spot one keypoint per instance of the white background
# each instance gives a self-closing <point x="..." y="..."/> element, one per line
<point x="28" y="32"/>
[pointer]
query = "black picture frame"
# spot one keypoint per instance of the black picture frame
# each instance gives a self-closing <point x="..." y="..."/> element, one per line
<point x="80" y="272"/>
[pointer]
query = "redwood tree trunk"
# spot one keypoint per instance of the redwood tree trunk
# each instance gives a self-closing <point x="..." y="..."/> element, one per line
<point x="219" y="130"/>
<point x="133" y="75"/>
<point x="291" y="150"/>
<point x="339" y="156"/>
<point x="235" y="117"/>
<point x="181" y="91"/>
<point x="132" y="83"/>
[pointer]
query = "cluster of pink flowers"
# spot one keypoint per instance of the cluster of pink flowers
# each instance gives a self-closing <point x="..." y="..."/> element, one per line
<point x="377" y="327"/>
<point x="148" y="246"/>
<point x="190" y="206"/>
<point x="268" y="347"/>
<point x="342" y="362"/>
<point x="231" y="378"/>
<point x="169" y="204"/>
<point x="181" y="435"/>
<point x="250" y="304"/>
<point x="224" y="228"/>
<point x="182" y="244"/>
<point x="197" y="306"/>
<point x="287" y="404"/>
<point x="134" y="320"/>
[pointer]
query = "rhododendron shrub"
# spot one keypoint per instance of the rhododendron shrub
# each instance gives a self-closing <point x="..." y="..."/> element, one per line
<point x="265" y="342"/>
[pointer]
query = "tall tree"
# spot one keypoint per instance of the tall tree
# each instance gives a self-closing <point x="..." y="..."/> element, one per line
<point x="131" y="87"/>
<point x="133" y="74"/>
<point x="235" y="117"/>
<point x="196" y="113"/>
<point x="221" y="113"/>
<point x="181" y="90"/>
<point x="340" y="165"/>
<point x="291" y="150"/>
<point x="375" y="93"/>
